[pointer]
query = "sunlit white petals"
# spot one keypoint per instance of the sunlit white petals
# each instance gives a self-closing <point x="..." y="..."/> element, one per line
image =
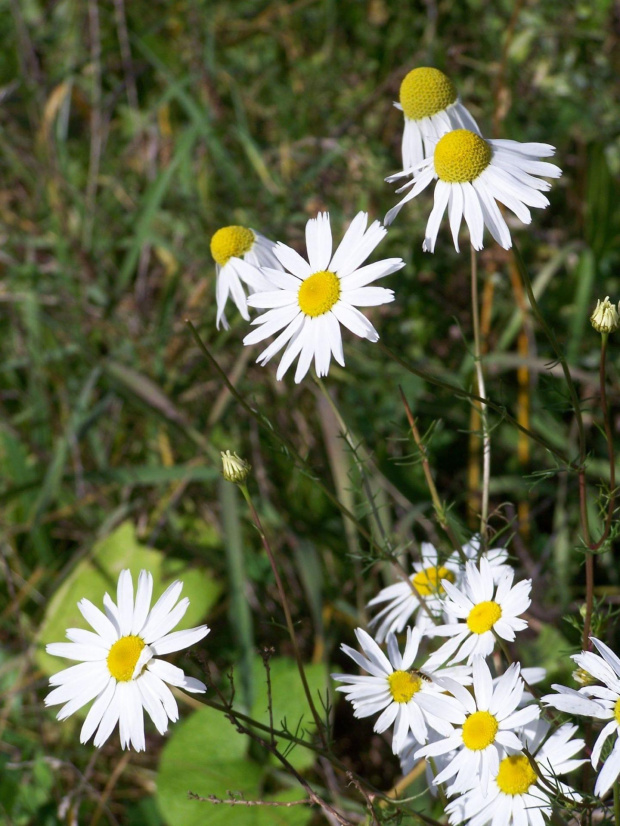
<point x="241" y="273"/>
<point x="508" y="177"/>
<point x="119" y="671"/>
<point x="421" y="595"/>
<point x="481" y="608"/>
<point x="516" y="796"/>
<point x="306" y="305"/>
<point x="491" y="726"/>
<point x="410" y="700"/>
<point x="598" y="702"/>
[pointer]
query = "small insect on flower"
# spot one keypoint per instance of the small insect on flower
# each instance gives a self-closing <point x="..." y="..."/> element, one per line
<point x="431" y="108"/>
<point x="118" y="664"/>
<point x="237" y="251"/>
<point x="472" y="173"/>
<point x="407" y="698"/>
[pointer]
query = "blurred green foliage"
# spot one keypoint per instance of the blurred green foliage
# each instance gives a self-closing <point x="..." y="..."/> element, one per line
<point x="130" y="132"/>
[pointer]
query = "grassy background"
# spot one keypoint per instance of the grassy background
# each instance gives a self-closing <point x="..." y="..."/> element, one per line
<point x="129" y="133"/>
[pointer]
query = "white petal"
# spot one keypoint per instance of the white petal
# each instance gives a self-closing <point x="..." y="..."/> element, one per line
<point x="319" y="241"/>
<point x="292" y="261"/>
<point x="178" y="640"/>
<point x="143" y="601"/>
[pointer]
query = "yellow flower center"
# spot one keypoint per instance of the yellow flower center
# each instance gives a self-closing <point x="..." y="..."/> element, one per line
<point x="318" y="293"/>
<point x="479" y="730"/>
<point x="123" y="657"/>
<point x="515" y="775"/>
<point x="231" y="242"/>
<point x="428" y="581"/>
<point x="424" y="92"/>
<point x="617" y="711"/>
<point x="483" y="617"/>
<point x="403" y="685"/>
<point x="461" y="156"/>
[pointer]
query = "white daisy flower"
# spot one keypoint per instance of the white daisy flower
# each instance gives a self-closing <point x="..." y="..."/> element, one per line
<point x="409" y="761"/>
<point x="407" y="697"/>
<point x="472" y="173"/>
<point x="516" y="794"/>
<point x="600" y="702"/>
<point x="488" y="730"/>
<point x="118" y="668"/>
<point x="431" y="108"/>
<point x="484" y="608"/>
<point x="313" y="298"/>
<point x="421" y="594"/>
<point x="230" y="247"/>
<point x="496" y="557"/>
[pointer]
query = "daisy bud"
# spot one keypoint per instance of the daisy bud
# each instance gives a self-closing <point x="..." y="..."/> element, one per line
<point x="583" y="678"/>
<point x="234" y="469"/>
<point x="605" y="317"/>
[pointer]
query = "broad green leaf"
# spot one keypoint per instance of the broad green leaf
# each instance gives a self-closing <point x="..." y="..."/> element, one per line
<point x="206" y="755"/>
<point x="98" y="573"/>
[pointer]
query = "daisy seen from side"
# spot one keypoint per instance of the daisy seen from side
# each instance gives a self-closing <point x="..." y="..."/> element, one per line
<point x="118" y="662"/>
<point x="421" y="595"/>
<point x="492" y="720"/>
<point x="471" y="174"/>
<point x="410" y="699"/>
<point x="431" y="107"/>
<point x="482" y="608"/>
<point x="310" y="300"/>
<point x="601" y="702"/>
<point x="516" y="795"/>
<point x="234" y="248"/>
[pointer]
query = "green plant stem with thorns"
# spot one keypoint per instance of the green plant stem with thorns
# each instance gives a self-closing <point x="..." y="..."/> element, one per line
<point x="486" y="435"/>
<point x="287" y="613"/>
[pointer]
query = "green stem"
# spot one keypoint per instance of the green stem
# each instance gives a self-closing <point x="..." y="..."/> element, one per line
<point x="287" y="613"/>
<point x="461" y="393"/>
<point x="486" y="436"/>
<point x="617" y="801"/>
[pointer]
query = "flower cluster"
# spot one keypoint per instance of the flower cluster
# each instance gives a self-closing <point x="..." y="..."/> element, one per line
<point x="304" y="302"/>
<point x="480" y="734"/>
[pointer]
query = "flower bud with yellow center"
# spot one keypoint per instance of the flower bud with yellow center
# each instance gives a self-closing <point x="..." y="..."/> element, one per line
<point x="461" y="156"/>
<point x="403" y="685"/>
<point x="426" y="91"/>
<point x="483" y="617"/>
<point x="231" y="242"/>
<point x="515" y="775"/>
<point x="318" y="293"/>
<point x="234" y="468"/>
<point x="605" y="319"/>
<point x="479" y="730"/>
<point x="428" y="581"/>
<point x="123" y="657"/>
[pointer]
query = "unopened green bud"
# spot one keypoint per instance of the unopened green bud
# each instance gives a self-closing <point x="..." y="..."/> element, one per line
<point x="605" y="316"/>
<point x="234" y="469"/>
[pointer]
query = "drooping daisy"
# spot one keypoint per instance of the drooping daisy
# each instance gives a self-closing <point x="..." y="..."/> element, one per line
<point x="230" y="247"/>
<point x="489" y="728"/>
<point x="431" y="108"/>
<point x="403" y="601"/>
<point x="482" y="609"/>
<point x="410" y="699"/>
<point x="516" y="796"/>
<point x="313" y="298"/>
<point x="599" y="701"/>
<point x="472" y="173"/>
<point x="117" y="666"/>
